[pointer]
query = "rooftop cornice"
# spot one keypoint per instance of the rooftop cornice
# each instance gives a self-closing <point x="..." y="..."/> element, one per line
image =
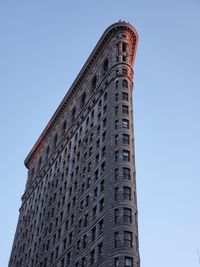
<point x="83" y="72"/>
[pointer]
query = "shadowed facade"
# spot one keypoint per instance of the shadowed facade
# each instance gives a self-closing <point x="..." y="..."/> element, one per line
<point x="79" y="207"/>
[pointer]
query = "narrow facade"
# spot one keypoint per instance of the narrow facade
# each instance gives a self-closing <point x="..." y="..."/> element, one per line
<point x="79" y="207"/>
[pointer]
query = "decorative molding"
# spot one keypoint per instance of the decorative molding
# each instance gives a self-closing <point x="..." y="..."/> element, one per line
<point x="113" y="29"/>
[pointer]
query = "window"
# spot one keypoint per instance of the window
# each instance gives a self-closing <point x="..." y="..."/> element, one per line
<point x="116" y="215"/>
<point x="116" y="174"/>
<point x="105" y="67"/>
<point x="126" y="155"/>
<point x="83" y="262"/>
<point x="125" y="109"/>
<point x="105" y="96"/>
<point x="116" y="84"/>
<point x="104" y="136"/>
<point x="126" y="193"/>
<point x="92" y="256"/>
<point x="101" y="205"/>
<point x="116" y="139"/>
<point x="126" y="173"/>
<point x="124" y="71"/>
<point x="127" y="239"/>
<point x="100" y="249"/>
<point x="116" y="193"/>
<point x="124" y="96"/>
<point x="125" y="83"/>
<point x="126" y="139"/>
<point x="116" y="124"/>
<point x="124" y="47"/>
<point x="127" y="215"/>
<point x="128" y="262"/>
<point x="116" y="97"/>
<point x="73" y="114"/>
<point x="84" y="241"/>
<point x="116" y="110"/>
<point x="116" y="156"/>
<point x="125" y="124"/>
<point x="101" y="227"/>
<point x="116" y="260"/>
<point x="94" y="212"/>
<point x="94" y="82"/>
<point x="83" y="98"/>
<point x="93" y="233"/>
<point x="116" y="239"/>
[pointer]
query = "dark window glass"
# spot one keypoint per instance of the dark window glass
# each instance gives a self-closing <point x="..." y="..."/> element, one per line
<point x="127" y="239"/>
<point x="128" y="262"/>
<point x="126" y="173"/>
<point x="125" y="124"/>
<point x="116" y="215"/>
<point x="125" y="83"/>
<point x="124" y="96"/>
<point x="125" y="109"/>
<point x="126" y="155"/>
<point x="126" y="139"/>
<point x="127" y="215"/>
<point x="116" y="239"/>
<point x="126" y="193"/>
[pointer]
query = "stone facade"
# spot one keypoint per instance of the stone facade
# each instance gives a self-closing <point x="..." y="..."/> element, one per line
<point x="79" y="206"/>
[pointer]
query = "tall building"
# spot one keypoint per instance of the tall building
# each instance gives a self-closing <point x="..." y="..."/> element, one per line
<point x="79" y="207"/>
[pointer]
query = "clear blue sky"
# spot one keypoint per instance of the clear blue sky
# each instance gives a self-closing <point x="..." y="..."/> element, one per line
<point x="43" y="45"/>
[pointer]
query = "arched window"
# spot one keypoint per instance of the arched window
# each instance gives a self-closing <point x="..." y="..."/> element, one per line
<point x="105" y="67"/>
<point x="125" y="83"/>
<point x="94" y="83"/>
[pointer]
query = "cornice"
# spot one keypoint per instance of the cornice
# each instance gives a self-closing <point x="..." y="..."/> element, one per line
<point x="83" y="72"/>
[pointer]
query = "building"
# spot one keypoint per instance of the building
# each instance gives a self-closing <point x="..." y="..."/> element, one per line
<point x="79" y="206"/>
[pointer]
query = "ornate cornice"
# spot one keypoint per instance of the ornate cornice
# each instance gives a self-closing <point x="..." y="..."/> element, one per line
<point x="91" y="59"/>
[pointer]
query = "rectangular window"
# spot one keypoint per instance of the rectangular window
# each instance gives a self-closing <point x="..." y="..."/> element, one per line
<point x="116" y="156"/>
<point x="124" y="96"/>
<point x="116" y="110"/>
<point x="116" y="139"/>
<point x="126" y="139"/>
<point x="127" y="215"/>
<point x="127" y="239"/>
<point x="128" y="262"/>
<point x="93" y="233"/>
<point x="116" y="97"/>
<point x="101" y="227"/>
<point x="126" y="155"/>
<point x="125" y="109"/>
<point x="116" y="124"/>
<point x="125" y="124"/>
<point x="101" y="205"/>
<point x="116" y="239"/>
<point x="116" y="215"/>
<point x="116" y="174"/>
<point x="92" y="256"/>
<point x="116" y="193"/>
<point x="100" y="249"/>
<point x="126" y="193"/>
<point x="126" y="173"/>
<point x="116" y="262"/>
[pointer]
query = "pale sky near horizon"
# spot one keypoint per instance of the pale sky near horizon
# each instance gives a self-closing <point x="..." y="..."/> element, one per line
<point x="44" y="44"/>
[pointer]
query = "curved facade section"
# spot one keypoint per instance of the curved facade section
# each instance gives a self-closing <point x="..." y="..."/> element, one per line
<point x="79" y="207"/>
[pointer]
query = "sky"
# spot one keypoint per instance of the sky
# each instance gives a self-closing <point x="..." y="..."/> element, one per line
<point x="44" y="44"/>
